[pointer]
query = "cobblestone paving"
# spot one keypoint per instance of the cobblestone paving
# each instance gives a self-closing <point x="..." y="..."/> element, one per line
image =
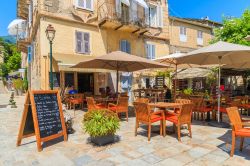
<point x="207" y="147"/>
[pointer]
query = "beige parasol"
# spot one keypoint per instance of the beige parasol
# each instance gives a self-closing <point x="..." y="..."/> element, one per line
<point x="120" y="61"/>
<point x="218" y="53"/>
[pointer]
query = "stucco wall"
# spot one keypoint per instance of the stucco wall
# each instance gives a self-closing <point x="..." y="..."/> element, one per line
<point x="191" y="30"/>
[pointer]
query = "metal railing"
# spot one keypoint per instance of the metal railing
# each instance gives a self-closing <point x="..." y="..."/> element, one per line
<point x="126" y="15"/>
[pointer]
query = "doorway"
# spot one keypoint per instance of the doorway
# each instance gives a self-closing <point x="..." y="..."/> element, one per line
<point x="85" y="83"/>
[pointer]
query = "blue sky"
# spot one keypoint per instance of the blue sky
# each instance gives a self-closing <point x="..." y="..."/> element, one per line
<point x="214" y="9"/>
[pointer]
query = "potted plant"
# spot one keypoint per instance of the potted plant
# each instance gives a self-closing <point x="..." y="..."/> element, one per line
<point x="101" y="125"/>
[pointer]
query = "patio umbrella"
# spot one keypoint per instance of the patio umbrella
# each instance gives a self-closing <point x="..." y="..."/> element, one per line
<point x="16" y="26"/>
<point x="218" y="53"/>
<point x="172" y="61"/>
<point x="119" y="61"/>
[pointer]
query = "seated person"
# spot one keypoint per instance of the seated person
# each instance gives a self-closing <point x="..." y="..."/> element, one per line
<point x="168" y="95"/>
<point x="108" y="91"/>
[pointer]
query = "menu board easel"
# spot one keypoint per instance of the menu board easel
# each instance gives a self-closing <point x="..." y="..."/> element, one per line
<point x="42" y="117"/>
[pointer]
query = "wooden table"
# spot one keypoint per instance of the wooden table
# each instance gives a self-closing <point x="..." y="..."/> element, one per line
<point x="106" y="101"/>
<point x="165" y="105"/>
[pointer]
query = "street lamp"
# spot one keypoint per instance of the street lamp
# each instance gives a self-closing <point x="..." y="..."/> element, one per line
<point x="50" y="33"/>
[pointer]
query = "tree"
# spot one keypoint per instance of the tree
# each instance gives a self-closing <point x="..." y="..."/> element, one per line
<point x="234" y="30"/>
<point x="11" y="58"/>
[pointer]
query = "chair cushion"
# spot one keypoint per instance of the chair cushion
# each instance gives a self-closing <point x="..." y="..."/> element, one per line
<point x="207" y="109"/>
<point x="113" y="108"/>
<point x="171" y="117"/>
<point x="245" y="132"/>
<point x="155" y="118"/>
<point x="222" y="109"/>
<point x="247" y="106"/>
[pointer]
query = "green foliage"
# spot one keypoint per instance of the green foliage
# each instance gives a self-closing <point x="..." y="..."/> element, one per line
<point x="234" y="30"/>
<point x="11" y="58"/>
<point x="18" y="83"/>
<point x="188" y="91"/>
<point x="100" y="123"/>
<point x="164" y="73"/>
<point x="212" y="76"/>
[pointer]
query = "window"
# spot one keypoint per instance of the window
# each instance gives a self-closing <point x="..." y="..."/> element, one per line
<point x="82" y="42"/>
<point x="183" y="34"/>
<point x="30" y="14"/>
<point x="150" y="51"/>
<point x="85" y="4"/>
<point x="56" y="79"/>
<point x="69" y="79"/>
<point x="199" y="37"/>
<point x="125" y="46"/>
<point x="155" y="15"/>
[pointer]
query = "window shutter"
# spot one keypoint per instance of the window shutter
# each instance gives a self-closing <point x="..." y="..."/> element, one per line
<point x="30" y="14"/>
<point x="118" y="7"/>
<point x="29" y="53"/>
<point x="86" y="43"/>
<point x="153" y="52"/>
<point x="146" y="10"/>
<point x="123" y="45"/>
<point x="128" y="47"/>
<point x="159" y="16"/>
<point x="79" y="42"/>
<point x="133" y="10"/>
<point x="148" y="48"/>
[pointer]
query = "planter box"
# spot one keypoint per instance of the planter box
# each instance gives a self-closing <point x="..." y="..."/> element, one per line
<point x="103" y="140"/>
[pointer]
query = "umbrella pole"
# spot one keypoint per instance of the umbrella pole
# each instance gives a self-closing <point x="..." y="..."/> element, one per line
<point x="117" y="82"/>
<point x="219" y="92"/>
<point x="175" y="82"/>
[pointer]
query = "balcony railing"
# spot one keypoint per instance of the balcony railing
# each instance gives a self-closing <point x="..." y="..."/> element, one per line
<point x="125" y="15"/>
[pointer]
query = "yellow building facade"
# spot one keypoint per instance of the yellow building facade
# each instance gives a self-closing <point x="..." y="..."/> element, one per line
<point x="90" y="28"/>
<point x="87" y="29"/>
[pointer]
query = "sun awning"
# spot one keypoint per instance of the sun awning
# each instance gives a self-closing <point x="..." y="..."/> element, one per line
<point x="65" y="61"/>
<point x="126" y="2"/>
<point x="142" y="3"/>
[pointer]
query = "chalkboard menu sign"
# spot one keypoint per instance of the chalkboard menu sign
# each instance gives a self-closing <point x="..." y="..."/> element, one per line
<point x="43" y="117"/>
<point x="48" y="114"/>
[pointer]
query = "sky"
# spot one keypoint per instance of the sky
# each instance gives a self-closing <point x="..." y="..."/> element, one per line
<point x="214" y="9"/>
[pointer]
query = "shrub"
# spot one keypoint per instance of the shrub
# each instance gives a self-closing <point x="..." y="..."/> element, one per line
<point x="188" y="91"/>
<point x="18" y="83"/>
<point x="100" y="123"/>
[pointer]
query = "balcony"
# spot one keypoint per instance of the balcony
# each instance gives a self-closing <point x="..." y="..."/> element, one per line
<point x="126" y="18"/>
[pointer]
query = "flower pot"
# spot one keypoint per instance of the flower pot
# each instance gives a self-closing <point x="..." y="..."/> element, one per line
<point x="103" y="140"/>
<point x="20" y="92"/>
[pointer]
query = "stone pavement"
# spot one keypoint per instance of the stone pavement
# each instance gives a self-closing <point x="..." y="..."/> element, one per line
<point x="207" y="147"/>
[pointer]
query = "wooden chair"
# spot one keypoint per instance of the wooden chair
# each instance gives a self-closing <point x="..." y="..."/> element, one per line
<point x="144" y="115"/>
<point x="181" y="101"/>
<point x="92" y="105"/>
<point x="120" y="107"/>
<point x="238" y="129"/>
<point x="197" y="107"/>
<point x="76" y="100"/>
<point x="184" y="117"/>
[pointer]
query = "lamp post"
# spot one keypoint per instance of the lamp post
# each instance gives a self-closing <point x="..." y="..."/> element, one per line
<point x="50" y="33"/>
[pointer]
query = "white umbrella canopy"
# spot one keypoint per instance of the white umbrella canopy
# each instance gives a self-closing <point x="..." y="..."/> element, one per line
<point x="172" y="61"/>
<point x="218" y="53"/>
<point x="119" y="61"/>
<point x="226" y="53"/>
<point x="16" y="26"/>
